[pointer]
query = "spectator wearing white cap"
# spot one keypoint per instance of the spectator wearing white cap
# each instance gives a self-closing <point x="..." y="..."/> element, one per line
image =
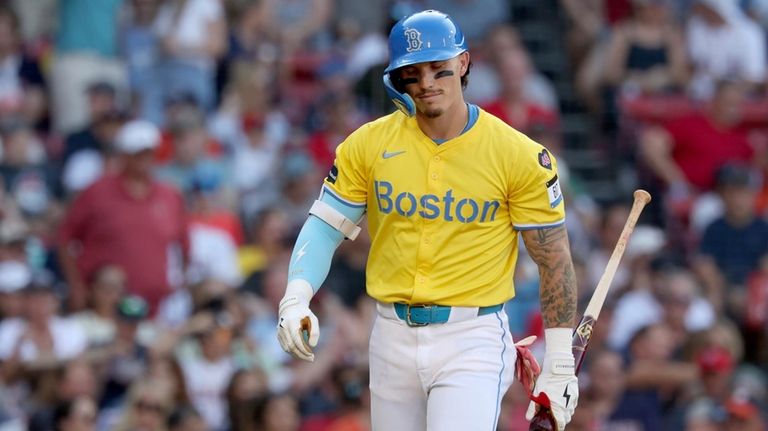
<point x="129" y="219"/>
<point x="39" y="338"/>
<point x="14" y="276"/>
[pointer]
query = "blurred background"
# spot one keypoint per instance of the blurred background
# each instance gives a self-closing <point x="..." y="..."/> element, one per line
<point x="140" y="271"/>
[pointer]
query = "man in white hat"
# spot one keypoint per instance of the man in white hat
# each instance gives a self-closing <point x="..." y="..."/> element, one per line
<point x="126" y="218"/>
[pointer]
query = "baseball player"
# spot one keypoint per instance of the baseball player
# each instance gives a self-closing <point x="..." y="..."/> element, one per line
<point x="447" y="189"/>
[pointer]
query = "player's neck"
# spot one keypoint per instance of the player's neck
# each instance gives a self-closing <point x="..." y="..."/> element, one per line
<point x="448" y="125"/>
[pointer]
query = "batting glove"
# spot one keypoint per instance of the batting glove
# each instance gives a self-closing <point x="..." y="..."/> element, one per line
<point x="527" y="369"/>
<point x="297" y="327"/>
<point x="557" y="387"/>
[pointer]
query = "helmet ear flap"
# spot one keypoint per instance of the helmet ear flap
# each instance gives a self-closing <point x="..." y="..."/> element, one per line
<point x="402" y="101"/>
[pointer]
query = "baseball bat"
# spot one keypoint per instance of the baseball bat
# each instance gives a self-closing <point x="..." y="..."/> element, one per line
<point x="543" y="420"/>
<point x="306" y="327"/>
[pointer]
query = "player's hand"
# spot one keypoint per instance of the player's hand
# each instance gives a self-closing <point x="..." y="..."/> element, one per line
<point x="297" y="327"/>
<point x="556" y="388"/>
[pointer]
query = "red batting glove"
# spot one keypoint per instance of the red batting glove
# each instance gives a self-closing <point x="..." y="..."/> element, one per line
<point x="527" y="369"/>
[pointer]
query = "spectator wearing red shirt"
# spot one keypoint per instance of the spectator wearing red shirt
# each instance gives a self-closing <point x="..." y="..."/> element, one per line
<point x="512" y="106"/>
<point x="127" y="219"/>
<point x="685" y="152"/>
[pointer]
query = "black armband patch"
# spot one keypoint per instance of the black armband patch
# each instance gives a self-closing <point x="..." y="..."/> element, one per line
<point x="333" y="174"/>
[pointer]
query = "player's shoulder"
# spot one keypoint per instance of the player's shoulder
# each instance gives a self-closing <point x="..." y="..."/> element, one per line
<point x="383" y="124"/>
<point x="504" y="135"/>
<point x="377" y="130"/>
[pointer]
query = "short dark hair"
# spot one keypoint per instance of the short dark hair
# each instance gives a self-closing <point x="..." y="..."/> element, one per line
<point x="465" y="76"/>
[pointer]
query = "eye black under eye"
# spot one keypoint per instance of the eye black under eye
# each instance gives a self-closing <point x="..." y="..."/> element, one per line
<point x="443" y="74"/>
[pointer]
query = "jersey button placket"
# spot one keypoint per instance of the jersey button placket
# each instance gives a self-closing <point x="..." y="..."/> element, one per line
<point x="426" y="251"/>
<point x="435" y="169"/>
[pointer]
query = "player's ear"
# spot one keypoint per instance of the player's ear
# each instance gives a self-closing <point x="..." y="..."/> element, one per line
<point x="463" y="63"/>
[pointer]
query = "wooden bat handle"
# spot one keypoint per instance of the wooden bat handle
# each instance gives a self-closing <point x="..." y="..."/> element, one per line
<point x="641" y="199"/>
<point x="543" y="420"/>
<point x="306" y="327"/>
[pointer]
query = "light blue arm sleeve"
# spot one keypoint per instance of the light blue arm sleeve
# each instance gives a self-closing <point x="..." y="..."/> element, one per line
<point x="317" y="241"/>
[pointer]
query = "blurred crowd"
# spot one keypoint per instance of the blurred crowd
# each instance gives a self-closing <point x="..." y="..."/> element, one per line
<point x="158" y="158"/>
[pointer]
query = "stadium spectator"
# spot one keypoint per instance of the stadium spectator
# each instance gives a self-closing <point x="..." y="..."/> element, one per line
<point x="685" y="152"/>
<point x="500" y="41"/>
<point x="123" y="358"/>
<point x="88" y="152"/>
<point x="299" y="24"/>
<point x="653" y="376"/>
<point x="186" y="418"/>
<point x="723" y="43"/>
<point x="23" y="89"/>
<point x="191" y="162"/>
<point x="352" y="385"/>
<point x="254" y="133"/>
<point x="29" y="178"/>
<point x="86" y="52"/>
<point x="78" y="414"/>
<point x="645" y="57"/>
<point x="646" y="53"/>
<point x="207" y="374"/>
<point x="250" y="38"/>
<point x="606" y="404"/>
<point x="733" y="246"/>
<point x="193" y="35"/>
<point x="244" y="388"/>
<point x="14" y="276"/>
<point x="674" y="296"/>
<point x="277" y="413"/>
<point x="140" y="48"/>
<point x="149" y="403"/>
<point x="73" y="380"/>
<point x="40" y="339"/>
<point x="105" y="290"/>
<point x="128" y="219"/>
<point x="513" y="107"/>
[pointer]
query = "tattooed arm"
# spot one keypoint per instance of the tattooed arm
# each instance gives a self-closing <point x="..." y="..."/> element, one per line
<point x="549" y="248"/>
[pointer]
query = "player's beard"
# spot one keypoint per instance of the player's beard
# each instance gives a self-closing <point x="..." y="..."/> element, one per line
<point x="432" y="112"/>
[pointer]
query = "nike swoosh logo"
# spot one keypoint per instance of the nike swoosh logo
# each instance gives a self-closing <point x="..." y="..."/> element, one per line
<point x="387" y="155"/>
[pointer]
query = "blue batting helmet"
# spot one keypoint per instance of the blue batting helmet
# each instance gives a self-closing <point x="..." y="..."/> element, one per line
<point x="424" y="36"/>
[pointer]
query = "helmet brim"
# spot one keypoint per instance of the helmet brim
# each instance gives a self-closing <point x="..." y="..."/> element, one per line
<point x="423" y="57"/>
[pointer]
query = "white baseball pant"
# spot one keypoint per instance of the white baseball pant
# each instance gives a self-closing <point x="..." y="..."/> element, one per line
<point x="441" y="377"/>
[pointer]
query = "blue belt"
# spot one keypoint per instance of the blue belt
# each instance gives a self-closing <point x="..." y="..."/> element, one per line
<point x="422" y="315"/>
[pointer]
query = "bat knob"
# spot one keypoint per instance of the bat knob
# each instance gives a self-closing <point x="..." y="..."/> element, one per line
<point x="543" y="421"/>
<point x="642" y="196"/>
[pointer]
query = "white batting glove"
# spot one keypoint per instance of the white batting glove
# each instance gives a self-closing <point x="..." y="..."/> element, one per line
<point x="296" y="320"/>
<point x="557" y="384"/>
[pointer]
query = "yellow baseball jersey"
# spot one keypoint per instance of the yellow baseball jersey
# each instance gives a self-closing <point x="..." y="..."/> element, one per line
<point x="444" y="219"/>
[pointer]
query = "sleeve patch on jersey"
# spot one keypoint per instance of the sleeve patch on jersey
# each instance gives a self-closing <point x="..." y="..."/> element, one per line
<point x="333" y="174"/>
<point x="545" y="160"/>
<point x="553" y="192"/>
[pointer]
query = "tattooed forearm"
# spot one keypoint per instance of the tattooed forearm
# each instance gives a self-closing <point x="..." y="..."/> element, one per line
<point x="550" y="250"/>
